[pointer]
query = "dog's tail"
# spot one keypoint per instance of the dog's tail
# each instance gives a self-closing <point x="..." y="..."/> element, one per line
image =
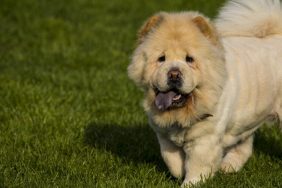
<point x="251" y="18"/>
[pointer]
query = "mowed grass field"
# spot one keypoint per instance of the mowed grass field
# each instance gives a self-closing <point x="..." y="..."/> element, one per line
<point x="70" y="117"/>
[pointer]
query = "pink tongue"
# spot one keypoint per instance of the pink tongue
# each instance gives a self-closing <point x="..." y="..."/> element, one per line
<point x="164" y="100"/>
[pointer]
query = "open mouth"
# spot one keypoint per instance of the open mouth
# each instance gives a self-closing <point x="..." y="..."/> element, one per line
<point x="170" y="99"/>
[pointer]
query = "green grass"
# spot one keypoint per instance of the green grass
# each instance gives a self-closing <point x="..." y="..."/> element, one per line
<point x="69" y="116"/>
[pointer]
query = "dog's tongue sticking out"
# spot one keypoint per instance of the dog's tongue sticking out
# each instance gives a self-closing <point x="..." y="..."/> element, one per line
<point x="164" y="100"/>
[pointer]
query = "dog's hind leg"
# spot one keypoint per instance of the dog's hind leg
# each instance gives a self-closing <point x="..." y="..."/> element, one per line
<point x="279" y="113"/>
<point x="237" y="156"/>
<point x="280" y="118"/>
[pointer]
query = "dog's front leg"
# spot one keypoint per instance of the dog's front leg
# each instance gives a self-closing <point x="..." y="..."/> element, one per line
<point x="203" y="154"/>
<point x="172" y="155"/>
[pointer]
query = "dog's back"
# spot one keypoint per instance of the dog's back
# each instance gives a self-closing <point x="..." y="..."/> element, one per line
<point x="251" y="33"/>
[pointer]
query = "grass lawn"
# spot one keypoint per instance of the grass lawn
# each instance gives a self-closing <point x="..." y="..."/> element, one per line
<point x="69" y="116"/>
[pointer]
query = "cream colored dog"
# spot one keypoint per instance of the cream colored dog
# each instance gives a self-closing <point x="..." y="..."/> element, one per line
<point x="209" y="86"/>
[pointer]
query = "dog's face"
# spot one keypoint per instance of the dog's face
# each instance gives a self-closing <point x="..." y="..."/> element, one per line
<point x="174" y="59"/>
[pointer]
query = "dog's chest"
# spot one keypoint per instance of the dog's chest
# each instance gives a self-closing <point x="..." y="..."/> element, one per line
<point x="174" y="133"/>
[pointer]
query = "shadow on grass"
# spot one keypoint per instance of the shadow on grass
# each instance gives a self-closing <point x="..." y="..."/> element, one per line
<point x="135" y="143"/>
<point x="138" y="143"/>
<point x="268" y="140"/>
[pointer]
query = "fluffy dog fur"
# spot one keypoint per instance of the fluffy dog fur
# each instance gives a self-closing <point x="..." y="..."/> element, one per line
<point x="232" y="82"/>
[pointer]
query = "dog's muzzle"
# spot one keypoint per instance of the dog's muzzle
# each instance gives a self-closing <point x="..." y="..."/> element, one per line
<point x="174" y="78"/>
<point x="173" y="97"/>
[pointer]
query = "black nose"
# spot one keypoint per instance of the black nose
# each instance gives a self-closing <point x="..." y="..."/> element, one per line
<point x="174" y="78"/>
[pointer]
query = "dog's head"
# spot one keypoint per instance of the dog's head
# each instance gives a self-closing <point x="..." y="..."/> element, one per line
<point x="178" y="55"/>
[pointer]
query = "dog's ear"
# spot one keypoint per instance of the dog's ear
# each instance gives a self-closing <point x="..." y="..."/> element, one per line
<point x="149" y="25"/>
<point x="208" y="30"/>
<point x="136" y="68"/>
<point x="139" y="58"/>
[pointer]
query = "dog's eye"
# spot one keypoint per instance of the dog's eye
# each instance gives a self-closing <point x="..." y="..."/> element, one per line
<point x="161" y="59"/>
<point x="189" y="59"/>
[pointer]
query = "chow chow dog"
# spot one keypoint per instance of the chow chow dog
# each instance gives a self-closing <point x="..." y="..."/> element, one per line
<point x="209" y="85"/>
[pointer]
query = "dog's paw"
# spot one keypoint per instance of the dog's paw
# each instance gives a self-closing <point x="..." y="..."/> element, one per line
<point x="190" y="183"/>
<point x="231" y="165"/>
<point x="228" y="168"/>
